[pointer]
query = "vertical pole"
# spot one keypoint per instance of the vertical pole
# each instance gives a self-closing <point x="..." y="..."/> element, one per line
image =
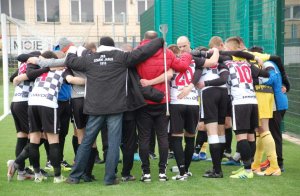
<point x="19" y="43"/>
<point x="124" y="25"/>
<point x="113" y="18"/>
<point x="246" y="23"/>
<point x="54" y="27"/>
<point x="98" y="29"/>
<point x="5" y="66"/>
<point x="279" y="41"/>
<point x="124" y="20"/>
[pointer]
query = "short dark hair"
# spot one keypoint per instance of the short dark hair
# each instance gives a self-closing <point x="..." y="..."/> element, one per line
<point x="150" y="35"/>
<point x="49" y="54"/>
<point x="174" y="48"/>
<point x="257" y="49"/>
<point x="107" y="41"/>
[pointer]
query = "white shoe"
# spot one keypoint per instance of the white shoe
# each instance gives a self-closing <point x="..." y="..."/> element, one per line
<point x="146" y="178"/>
<point x="23" y="175"/>
<point x="59" y="179"/>
<point x="188" y="174"/>
<point x="11" y="170"/>
<point x="162" y="177"/>
<point x="39" y="177"/>
<point x="179" y="177"/>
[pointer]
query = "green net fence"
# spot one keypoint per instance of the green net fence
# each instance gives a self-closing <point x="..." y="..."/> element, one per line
<point x="258" y="22"/>
<point x="253" y="20"/>
<point x="292" y="65"/>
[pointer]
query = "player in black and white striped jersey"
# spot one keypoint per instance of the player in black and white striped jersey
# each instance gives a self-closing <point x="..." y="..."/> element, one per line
<point x="43" y="117"/>
<point x="213" y="111"/>
<point x="244" y="110"/>
<point x="19" y="107"/>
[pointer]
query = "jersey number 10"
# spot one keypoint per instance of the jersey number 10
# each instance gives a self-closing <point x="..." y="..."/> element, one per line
<point x="244" y="73"/>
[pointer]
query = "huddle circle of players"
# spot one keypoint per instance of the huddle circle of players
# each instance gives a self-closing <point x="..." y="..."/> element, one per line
<point x="122" y="92"/>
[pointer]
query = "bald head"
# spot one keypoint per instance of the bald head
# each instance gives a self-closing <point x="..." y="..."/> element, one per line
<point x="150" y="35"/>
<point x="183" y="44"/>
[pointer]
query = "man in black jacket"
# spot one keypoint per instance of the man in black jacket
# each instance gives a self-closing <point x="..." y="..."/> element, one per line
<point x="106" y="99"/>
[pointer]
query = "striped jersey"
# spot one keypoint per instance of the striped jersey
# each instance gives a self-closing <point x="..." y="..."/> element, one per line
<point x="212" y="73"/>
<point x="179" y="81"/>
<point x="240" y="82"/>
<point x="23" y="88"/>
<point x="45" y="89"/>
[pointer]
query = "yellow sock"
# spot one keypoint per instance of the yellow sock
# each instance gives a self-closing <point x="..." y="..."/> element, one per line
<point x="269" y="147"/>
<point x="203" y="148"/>
<point x="259" y="152"/>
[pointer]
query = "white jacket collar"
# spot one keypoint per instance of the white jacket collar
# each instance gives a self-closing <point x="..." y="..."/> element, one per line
<point x="106" y="48"/>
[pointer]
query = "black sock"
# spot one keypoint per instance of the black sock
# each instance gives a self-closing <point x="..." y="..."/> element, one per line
<point x="21" y="143"/>
<point x="34" y="155"/>
<point x="22" y="157"/>
<point x="188" y="151"/>
<point x="222" y="149"/>
<point x="253" y="148"/>
<point x="215" y="156"/>
<point x="201" y="138"/>
<point x="245" y="150"/>
<point x="228" y="137"/>
<point x="91" y="162"/>
<point x="75" y="143"/>
<point x="179" y="154"/>
<point x="55" y="158"/>
<point x="62" y="145"/>
<point x="46" y="146"/>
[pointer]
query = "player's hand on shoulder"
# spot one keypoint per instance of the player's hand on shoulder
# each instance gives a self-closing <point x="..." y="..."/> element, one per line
<point x="33" y="60"/>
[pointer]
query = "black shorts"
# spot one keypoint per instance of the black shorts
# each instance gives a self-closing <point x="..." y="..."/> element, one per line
<point x="244" y="118"/>
<point x="229" y="107"/>
<point x="183" y="117"/>
<point x="79" y="118"/>
<point x="214" y="105"/>
<point x="43" y="119"/>
<point x="19" y="111"/>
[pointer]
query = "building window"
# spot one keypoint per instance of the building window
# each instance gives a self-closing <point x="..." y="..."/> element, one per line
<point x="82" y="11"/>
<point x="294" y="31"/>
<point x="15" y="10"/>
<point x="143" y="5"/>
<point x="292" y="12"/>
<point x="115" y="10"/>
<point x="296" y="12"/>
<point x="47" y="10"/>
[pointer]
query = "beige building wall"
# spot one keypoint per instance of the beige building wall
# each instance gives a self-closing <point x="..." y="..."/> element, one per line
<point x="289" y="23"/>
<point x="82" y="32"/>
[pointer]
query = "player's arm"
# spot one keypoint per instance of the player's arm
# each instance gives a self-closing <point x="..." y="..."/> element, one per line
<point x="238" y="53"/>
<point x="20" y="78"/>
<point x="223" y="73"/>
<point x="34" y="71"/>
<point x="285" y="81"/>
<point x="71" y="79"/>
<point x="272" y="77"/>
<point x="157" y="80"/>
<point x="182" y="63"/>
<point x="75" y="80"/>
<point x="257" y="72"/>
<point x="199" y="62"/>
<point x="42" y="62"/>
<point x="15" y="74"/>
<point x="142" y="53"/>
<point x="213" y="60"/>
<point x="74" y="62"/>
